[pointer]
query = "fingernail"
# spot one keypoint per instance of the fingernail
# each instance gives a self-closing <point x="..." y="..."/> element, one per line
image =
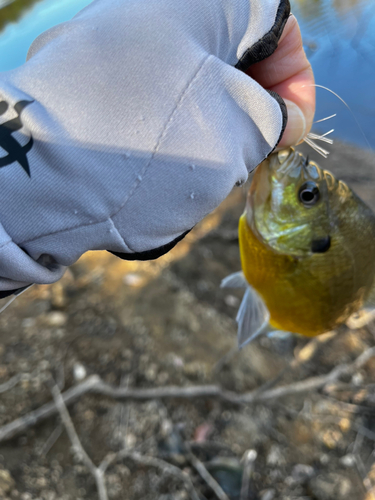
<point x="295" y="130"/>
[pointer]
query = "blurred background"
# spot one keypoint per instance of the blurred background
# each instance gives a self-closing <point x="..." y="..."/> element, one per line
<point x="167" y="322"/>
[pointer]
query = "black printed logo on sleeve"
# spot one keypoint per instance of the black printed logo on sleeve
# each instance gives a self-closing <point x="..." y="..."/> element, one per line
<point x="15" y="151"/>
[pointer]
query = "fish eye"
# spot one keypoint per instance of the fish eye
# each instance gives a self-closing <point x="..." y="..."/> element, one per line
<point x="309" y="194"/>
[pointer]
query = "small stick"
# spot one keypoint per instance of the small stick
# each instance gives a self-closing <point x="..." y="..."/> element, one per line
<point x="205" y="475"/>
<point x="51" y="440"/>
<point x="6" y="386"/>
<point x="95" y="385"/>
<point x="76" y="443"/>
<point x="249" y="459"/>
<point x="148" y="461"/>
<point x="99" y="472"/>
<point x="34" y="417"/>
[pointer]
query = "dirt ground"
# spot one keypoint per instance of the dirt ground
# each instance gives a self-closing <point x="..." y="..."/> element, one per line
<point x="167" y="322"/>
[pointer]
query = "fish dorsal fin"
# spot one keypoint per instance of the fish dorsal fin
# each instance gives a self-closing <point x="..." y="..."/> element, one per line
<point x="252" y="317"/>
<point x="235" y="280"/>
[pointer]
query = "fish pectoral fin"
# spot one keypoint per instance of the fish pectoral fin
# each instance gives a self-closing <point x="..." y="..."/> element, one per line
<point x="235" y="280"/>
<point x="252" y="317"/>
<point x="361" y="318"/>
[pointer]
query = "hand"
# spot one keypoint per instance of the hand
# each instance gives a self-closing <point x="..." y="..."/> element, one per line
<point x="136" y="123"/>
<point x="288" y="72"/>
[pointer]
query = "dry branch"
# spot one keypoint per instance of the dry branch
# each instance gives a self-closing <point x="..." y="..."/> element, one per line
<point x="205" y="475"/>
<point x="249" y="461"/>
<point x="6" y="386"/>
<point x="165" y="467"/>
<point x="34" y="417"/>
<point x="76" y="443"/>
<point x="95" y="385"/>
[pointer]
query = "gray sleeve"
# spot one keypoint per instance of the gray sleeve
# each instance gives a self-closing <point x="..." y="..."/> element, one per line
<point x="127" y="125"/>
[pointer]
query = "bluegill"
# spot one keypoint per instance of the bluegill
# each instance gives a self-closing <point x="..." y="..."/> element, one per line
<point x="307" y="245"/>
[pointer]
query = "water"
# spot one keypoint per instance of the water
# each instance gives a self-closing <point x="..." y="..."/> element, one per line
<point x="339" y="39"/>
<point x="22" y="21"/>
<point x="338" y="35"/>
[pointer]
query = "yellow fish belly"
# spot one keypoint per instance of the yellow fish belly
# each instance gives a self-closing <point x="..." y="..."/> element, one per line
<point x="308" y="296"/>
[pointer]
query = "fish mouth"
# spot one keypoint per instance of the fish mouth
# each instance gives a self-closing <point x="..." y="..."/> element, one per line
<point x="287" y="163"/>
<point x="276" y="170"/>
<point x="280" y="165"/>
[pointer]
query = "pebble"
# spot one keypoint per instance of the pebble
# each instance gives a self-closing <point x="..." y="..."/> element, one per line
<point x="6" y="482"/>
<point x="56" y="318"/>
<point x="79" y="372"/>
<point x="132" y="279"/>
<point x="195" y="370"/>
<point x="130" y="441"/>
<point x="302" y="473"/>
<point x="151" y="372"/>
<point x="231" y="301"/>
<point x="163" y="378"/>
<point x="348" y="460"/>
<point x="3" y="371"/>
<point x="268" y="495"/>
<point x="331" y="486"/>
<point x="275" y="456"/>
<point x="26" y="496"/>
<point x="182" y="495"/>
<point x="357" y="379"/>
<point x="331" y="438"/>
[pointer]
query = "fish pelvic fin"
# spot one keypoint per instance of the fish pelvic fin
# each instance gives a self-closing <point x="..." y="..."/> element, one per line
<point x="252" y="317"/>
<point x="235" y="280"/>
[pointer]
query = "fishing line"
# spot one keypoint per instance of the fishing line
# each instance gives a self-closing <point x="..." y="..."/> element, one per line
<point x="345" y="104"/>
<point x="15" y="295"/>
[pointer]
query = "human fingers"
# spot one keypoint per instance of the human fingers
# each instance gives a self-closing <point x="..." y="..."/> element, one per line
<point x="288" y="72"/>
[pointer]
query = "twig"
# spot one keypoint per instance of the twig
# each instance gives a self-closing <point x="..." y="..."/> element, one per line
<point x="76" y="443"/>
<point x="359" y="463"/>
<point x="99" y="472"/>
<point x="95" y="385"/>
<point x="249" y="459"/>
<point x="122" y="412"/>
<point x="51" y="440"/>
<point x="148" y="461"/>
<point x="205" y="475"/>
<point x="34" y="417"/>
<point x="305" y="354"/>
<point x="6" y="386"/>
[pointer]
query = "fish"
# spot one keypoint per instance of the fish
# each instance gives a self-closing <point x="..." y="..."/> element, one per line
<point x="307" y="247"/>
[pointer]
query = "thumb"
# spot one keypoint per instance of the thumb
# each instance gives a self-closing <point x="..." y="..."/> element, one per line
<point x="288" y="72"/>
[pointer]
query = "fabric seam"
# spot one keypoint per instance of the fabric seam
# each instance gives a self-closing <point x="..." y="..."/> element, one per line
<point x="120" y="235"/>
<point x="163" y="133"/>
<point x="144" y="170"/>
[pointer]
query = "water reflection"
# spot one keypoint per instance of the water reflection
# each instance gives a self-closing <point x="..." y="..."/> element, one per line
<point x="339" y="38"/>
<point x="12" y="10"/>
